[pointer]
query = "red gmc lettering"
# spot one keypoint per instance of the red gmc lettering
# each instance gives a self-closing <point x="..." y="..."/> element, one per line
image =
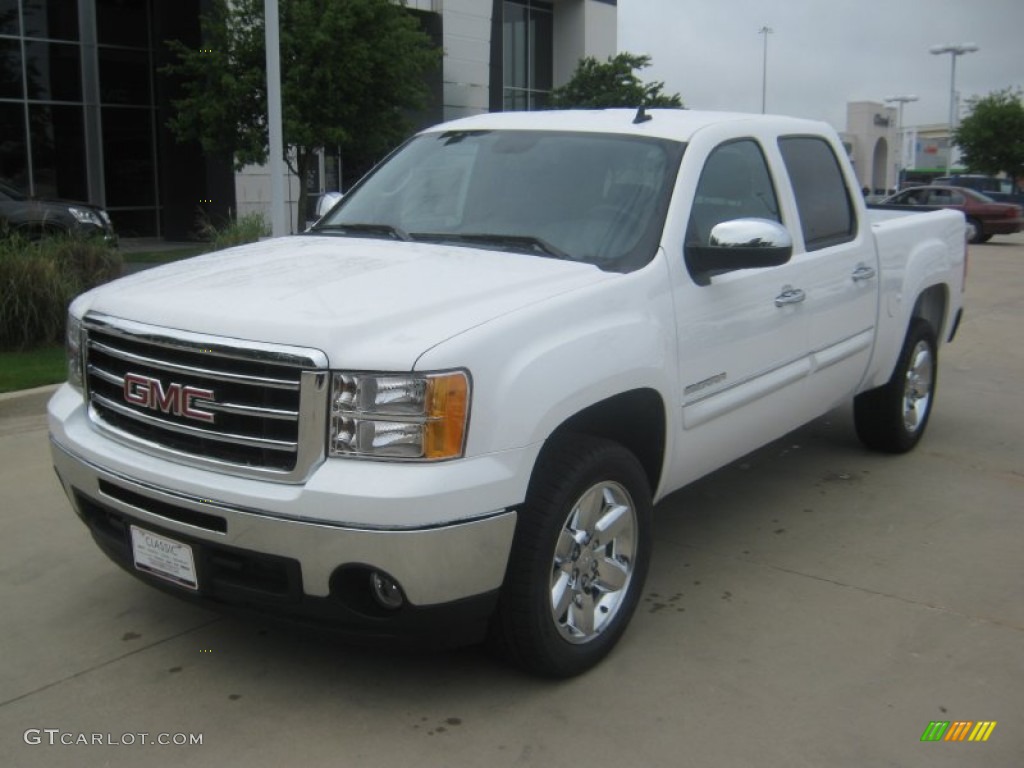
<point x="175" y="398"/>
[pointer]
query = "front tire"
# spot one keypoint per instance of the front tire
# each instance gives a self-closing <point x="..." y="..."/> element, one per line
<point x="975" y="234"/>
<point x="893" y="417"/>
<point x="579" y="558"/>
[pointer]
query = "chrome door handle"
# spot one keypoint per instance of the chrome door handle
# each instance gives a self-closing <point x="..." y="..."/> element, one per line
<point x="863" y="272"/>
<point x="789" y="295"/>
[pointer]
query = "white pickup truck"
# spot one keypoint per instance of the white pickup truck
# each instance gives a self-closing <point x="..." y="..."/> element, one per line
<point x="448" y="408"/>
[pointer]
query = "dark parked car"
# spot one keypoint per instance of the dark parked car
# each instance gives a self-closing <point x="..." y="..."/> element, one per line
<point x="33" y="218"/>
<point x="985" y="217"/>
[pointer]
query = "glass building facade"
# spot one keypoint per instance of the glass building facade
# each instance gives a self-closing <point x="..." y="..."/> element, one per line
<point x="82" y="108"/>
<point x="527" y="53"/>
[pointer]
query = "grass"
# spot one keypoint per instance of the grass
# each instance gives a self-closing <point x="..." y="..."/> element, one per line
<point x="160" y="257"/>
<point x="46" y="365"/>
<point x="34" y="368"/>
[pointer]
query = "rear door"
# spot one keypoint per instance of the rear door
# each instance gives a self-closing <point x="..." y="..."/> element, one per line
<point x="839" y="270"/>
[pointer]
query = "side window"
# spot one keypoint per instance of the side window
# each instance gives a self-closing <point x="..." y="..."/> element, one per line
<point x="826" y="213"/>
<point x="735" y="184"/>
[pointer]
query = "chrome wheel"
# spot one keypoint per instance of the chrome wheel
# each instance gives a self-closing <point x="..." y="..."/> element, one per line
<point x="593" y="562"/>
<point x="917" y="392"/>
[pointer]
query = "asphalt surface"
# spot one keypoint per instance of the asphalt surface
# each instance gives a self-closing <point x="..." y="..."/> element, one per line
<point x="810" y="605"/>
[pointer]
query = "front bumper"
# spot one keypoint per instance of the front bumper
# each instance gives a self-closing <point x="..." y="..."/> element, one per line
<point x="301" y="571"/>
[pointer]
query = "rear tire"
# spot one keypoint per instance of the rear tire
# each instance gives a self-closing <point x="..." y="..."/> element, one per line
<point x="579" y="558"/>
<point x="892" y="418"/>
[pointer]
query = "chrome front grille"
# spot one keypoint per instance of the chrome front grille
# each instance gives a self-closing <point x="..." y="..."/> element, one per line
<point x="242" y="407"/>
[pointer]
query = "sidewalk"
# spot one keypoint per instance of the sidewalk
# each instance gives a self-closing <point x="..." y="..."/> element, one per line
<point x="26" y="402"/>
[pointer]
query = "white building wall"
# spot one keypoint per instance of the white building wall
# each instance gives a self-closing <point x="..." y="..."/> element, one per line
<point x="867" y="123"/>
<point x="582" y="28"/>
<point x="252" y="194"/>
<point x="467" y="56"/>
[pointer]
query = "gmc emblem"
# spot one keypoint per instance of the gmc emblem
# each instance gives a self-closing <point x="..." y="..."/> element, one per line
<point x="177" y="399"/>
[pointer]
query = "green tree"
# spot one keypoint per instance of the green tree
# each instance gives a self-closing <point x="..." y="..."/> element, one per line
<point x="613" y="83"/>
<point x="351" y="70"/>
<point x="992" y="136"/>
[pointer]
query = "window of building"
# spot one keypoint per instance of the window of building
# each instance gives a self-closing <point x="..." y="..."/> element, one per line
<point x="124" y="76"/>
<point x="53" y="71"/>
<point x="13" y="147"/>
<point x="58" y="151"/>
<point x="528" y="54"/>
<point x="9" y="23"/>
<point x="123" y="22"/>
<point x="10" y="69"/>
<point x="51" y="19"/>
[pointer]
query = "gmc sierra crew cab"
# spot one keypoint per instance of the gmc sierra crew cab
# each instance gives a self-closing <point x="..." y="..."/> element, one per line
<point x="448" y="408"/>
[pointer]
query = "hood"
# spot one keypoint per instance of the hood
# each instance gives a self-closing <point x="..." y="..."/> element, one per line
<point x="368" y="304"/>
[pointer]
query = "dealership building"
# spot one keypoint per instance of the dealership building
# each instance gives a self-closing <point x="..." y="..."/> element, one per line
<point x="84" y="105"/>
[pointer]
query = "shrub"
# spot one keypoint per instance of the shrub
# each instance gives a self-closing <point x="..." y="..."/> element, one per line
<point x="245" y="229"/>
<point x="39" y="279"/>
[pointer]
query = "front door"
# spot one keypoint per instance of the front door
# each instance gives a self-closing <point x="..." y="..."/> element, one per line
<point x="742" y="336"/>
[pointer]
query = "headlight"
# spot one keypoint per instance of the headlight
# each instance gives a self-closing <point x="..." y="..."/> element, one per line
<point x="399" y="416"/>
<point x="73" y="346"/>
<point x="85" y="216"/>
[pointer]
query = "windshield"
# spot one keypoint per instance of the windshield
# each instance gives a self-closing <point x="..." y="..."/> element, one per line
<point x="594" y="198"/>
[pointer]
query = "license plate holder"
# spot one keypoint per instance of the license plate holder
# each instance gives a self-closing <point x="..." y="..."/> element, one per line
<point x="164" y="558"/>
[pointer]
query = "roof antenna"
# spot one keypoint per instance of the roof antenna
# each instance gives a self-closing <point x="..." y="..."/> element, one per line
<point x="641" y="115"/>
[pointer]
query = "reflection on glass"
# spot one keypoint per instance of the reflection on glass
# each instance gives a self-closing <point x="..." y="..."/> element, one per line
<point x="54" y="71"/>
<point x="10" y="69"/>
<point x="128" y="162"/>
<point x="58" y="151"/>
<point x="56" y="19"/>
<point x="124" y="76"/>
<point x="8" y="17"/>
<point x="123" y="22"/>
<point x="134" y="223"/>
<point x="13" y="149"/>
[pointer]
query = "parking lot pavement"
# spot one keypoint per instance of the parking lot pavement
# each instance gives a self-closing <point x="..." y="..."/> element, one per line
<point x="810" y="605"/>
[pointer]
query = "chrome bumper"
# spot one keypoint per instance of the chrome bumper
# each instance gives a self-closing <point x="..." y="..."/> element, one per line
<point x="433" y="565"/>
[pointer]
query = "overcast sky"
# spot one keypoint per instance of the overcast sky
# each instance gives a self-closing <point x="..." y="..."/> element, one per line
<point x="825" y="53"/>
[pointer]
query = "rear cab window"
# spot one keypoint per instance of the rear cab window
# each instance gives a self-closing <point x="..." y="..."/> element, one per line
<point x="822" y="197"/>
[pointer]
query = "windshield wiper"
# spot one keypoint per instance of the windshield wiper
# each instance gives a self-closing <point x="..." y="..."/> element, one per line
<point x="366" y="229"/>
<point x="527" y="243"/>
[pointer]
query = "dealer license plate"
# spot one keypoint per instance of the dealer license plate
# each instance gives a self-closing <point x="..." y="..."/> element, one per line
<point x="165" y="558"/>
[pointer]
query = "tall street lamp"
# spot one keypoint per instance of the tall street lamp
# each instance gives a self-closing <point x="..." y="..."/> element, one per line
<point x="901" y="100"/>
<point x="765" y="31"/>
<point x="953" y="51"/>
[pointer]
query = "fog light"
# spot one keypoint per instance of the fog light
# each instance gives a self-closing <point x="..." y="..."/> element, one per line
<point x="386" y="590"/>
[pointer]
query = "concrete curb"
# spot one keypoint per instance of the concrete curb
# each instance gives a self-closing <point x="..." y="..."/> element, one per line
<point x="26" y="402"/>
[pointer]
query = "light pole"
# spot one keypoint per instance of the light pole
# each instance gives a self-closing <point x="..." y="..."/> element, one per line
<point x="953" y="51"/>
<point x="901" y="100"/>
<point x="765" y="31"/>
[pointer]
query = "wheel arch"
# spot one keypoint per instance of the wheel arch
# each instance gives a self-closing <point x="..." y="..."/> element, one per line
<point x="931" y="306"/>
<point x="635" y="419"/>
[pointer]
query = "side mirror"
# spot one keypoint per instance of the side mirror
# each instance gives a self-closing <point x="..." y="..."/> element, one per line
<point x="327" y="201"/>
<point x="739" y="244"/>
